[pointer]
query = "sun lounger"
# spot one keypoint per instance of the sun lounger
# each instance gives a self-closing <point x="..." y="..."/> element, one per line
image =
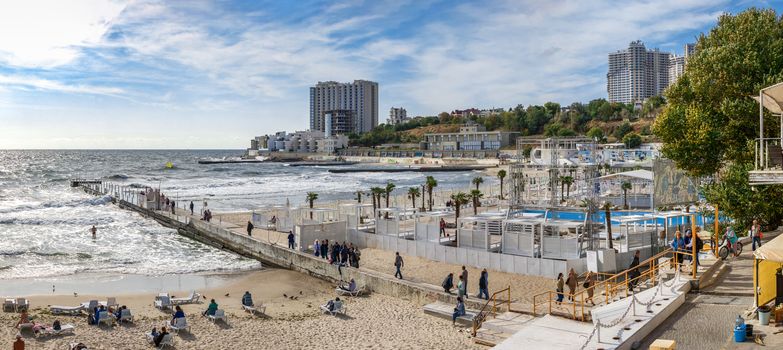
<point x="22" y="304"/>
<point x="163" y="302"/>
<point x="64" y="329"/>
<point x="253" y="309"/>
<point x="193" y="298"/>
<point x="65" y="310"/>
<point x="125" y="316"/>
<point x="111" y="302"/>
<point x="90" y="306"/>
<point x="354" y="293"/>
<point x="180" y="324"/>
<point x="9" y="305"/>
<point x="338" y="308"/>
<point x="220" y="314"/>
<point x="107" y="318"/>
<point x="168" y="340"/>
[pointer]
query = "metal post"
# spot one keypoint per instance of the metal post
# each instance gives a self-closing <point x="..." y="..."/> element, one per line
<point x="693" y="246"/>
<point x="761" y="128"/>
<point x="717" y="227"/>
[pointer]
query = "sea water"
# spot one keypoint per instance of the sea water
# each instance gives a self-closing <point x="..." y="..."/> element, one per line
<point x="44" y="224"/>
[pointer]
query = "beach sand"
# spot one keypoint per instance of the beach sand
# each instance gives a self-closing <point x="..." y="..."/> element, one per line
<point x="374" y="322"/>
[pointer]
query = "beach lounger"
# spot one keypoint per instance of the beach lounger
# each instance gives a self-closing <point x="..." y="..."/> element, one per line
<point x="220" y="314"/>
<point x="64" y="329"/>
<point x="112" y="302"/>
<point x="261" y="309"/>
<point x="90" y="306"/>
<point x="125" y="316"/>
<point x="22" y="304"/>
<point x="65" y="310"/>
<point x="180" y="324"/>
<point x="168" y="340"/>
<point x="163" y="302"/>
<point x="193" y="298"/>
<point x="107" y="318"/>
<point x="338" y="308"/>
<point x="9" y="305"/>
<point x="355" y="293"/>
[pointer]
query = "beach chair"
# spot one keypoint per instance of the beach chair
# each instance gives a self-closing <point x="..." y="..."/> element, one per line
<point x="125" y="316"/>
<point x="354" y="293"/>
<point x="112" y="302"/>
<point x="338" y="308"/>
<point x="90" y="306"/>
<point x="163" y="302"/>
<point x="168" y="340"/>
<point x="64" y="329"/>
<point x="9" y="305"/>
<point x="106" y="318"/>
<point x="65" y="310"/>
<point x="253" y="309"/>
<point x="180" y="324"/>
<point x="220" y="314"/>
<point x="22" y="304"/>
<point x="193" y="298"/>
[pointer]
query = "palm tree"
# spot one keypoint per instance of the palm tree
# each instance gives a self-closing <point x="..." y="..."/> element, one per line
<point x="625" y="186"/>
<point x="475" y="196"/>
<point x="311" y="197"/>
<point x="568" y="181"/>
<point x="387" y="191"/>
<point x="501" y="176"/>
<point x="414" y="192"/>
<point x="562" y="188"/>
<point x="608" y="214"/>
<point x="359" y="196"/>
<point x="459" y="198"/>
<point x="478" y="180"/>
<point x="431" y="183"/>
<point x="375" y="192"/>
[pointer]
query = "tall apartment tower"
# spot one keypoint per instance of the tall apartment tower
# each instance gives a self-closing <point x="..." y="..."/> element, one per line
<point x="677" y="63"/>
<point x="397" y="115"/>
<point x="636" y="73"/>
<point x="351" y="107"/>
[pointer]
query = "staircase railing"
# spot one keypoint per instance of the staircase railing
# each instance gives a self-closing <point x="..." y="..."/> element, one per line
<point x="484" y="312"/>
<point x="611" y="286"/>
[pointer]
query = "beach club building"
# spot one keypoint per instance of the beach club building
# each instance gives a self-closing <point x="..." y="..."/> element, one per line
<point x="471" y="137"/>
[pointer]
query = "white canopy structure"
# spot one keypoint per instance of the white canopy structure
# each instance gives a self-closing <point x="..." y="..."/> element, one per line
<point x="769" y="154"/>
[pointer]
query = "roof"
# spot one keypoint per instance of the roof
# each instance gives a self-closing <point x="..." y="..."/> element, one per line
<point x="773" y="98"/>
<point x="771" y="251"/>
<point x="638" y="174"/>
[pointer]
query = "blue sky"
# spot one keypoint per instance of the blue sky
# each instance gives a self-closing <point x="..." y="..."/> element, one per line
<point x="153" y="74"/>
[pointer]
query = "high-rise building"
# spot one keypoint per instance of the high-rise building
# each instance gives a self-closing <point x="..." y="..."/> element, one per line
<point x="636" y="73"/>
<point x="352" y="107"/>
<point x="677" y="63"/>
<point x="397" y="115"/>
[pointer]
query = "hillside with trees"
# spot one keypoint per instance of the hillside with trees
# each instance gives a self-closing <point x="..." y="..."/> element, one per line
<point x="599" y="118"/>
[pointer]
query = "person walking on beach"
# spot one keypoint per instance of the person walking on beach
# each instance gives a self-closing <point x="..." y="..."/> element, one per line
<point x="291" y="239"/>
<point x="571" y="283"/>
<point x="94" y="231"/>
<point x="560" y="286"/>
<point x="250" y="228"/>
<point x="398" y="263"/>
<point x="755" y="234"/>
<point x="484" y="285"/>
<point x="191" y="207"/>
<point x="464" y="276"/>
<point x="317" y="248"/>
<point x="590" y="286"/>
<point x="325" y="249"/>
<point x="442" y="227"/>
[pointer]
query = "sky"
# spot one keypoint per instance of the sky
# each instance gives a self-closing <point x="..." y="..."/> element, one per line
<point x="211" y="75"/>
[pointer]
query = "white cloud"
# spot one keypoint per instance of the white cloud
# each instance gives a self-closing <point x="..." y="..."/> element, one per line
<point x="52" y="85"/>
<point x="50" y="33"/>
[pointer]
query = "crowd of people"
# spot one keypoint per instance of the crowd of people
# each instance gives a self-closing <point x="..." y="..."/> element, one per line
<point x="462" y="284"/>
<point x="345" y="254"/>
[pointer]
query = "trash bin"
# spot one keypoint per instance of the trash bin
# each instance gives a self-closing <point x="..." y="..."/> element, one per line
<point x="739" y="334"/>
<point x="764" y="312"/>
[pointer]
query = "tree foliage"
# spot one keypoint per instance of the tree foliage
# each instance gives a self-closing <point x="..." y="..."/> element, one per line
<point x="632" y="140"/>
<point x="735" y="197"/>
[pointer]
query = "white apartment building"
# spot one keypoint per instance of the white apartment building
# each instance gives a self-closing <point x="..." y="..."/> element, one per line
<point x="353" y="107"/>
<point x="397" y="115"/>
<point x="300" y="141"/>
<point x="677" y="63"/>
<point x="636" y="73"/>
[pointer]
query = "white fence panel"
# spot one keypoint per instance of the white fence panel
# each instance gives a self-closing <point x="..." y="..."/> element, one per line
<point x="494" y="261"/>
<point x="507" y="263"/>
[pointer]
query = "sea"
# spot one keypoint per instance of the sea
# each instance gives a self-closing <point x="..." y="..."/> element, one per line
<point x="44" y="223"/>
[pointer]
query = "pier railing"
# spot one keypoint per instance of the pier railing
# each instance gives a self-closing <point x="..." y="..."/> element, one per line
<point x="486" y="310"/>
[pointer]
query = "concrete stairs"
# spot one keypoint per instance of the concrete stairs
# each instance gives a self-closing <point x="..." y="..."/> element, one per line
<point x="444" y="310"/>
<point x="499" y="328"/>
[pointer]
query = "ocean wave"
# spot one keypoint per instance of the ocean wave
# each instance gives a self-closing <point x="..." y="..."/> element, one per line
<point x="48" y="205"/>
<point x="118" y="177"/>
<point x="6" y="267"/>
<point x="83" y="221"/>
<point x="32" y="252"/>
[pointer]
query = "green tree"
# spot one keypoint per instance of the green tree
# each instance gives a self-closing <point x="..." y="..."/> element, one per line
<point x="359" y="196"/>
<point x="413" y="192"/>
<point x="501" y="176"/>
<point x="376" y="193"/>
<point x="430" y="183"/>
<point x="475" y="196"/>
<point x="632" y="140"/>
<point x="596" y="133"/>
<point x="311" y="197"/>
<point x="459" y="199"/>
<point x="387" y="191"/>
<point x="709" y="119"/>
<point x="568" y="181"/>
<point x="478" y="180"/>
<point x="625" y="187"/>
<point x="623" y="129"/>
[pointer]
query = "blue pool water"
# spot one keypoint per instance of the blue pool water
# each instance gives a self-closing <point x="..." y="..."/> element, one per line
<point x="601" y="216"/>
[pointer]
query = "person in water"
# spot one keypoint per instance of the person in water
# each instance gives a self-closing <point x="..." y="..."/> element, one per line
<point x="94" y="231"/>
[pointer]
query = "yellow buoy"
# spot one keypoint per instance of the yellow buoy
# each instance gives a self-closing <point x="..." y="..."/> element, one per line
<point x="169" y="165"/>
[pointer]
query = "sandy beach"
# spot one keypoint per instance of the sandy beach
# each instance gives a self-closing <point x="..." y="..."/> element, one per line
<point x="373" y="322"/>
